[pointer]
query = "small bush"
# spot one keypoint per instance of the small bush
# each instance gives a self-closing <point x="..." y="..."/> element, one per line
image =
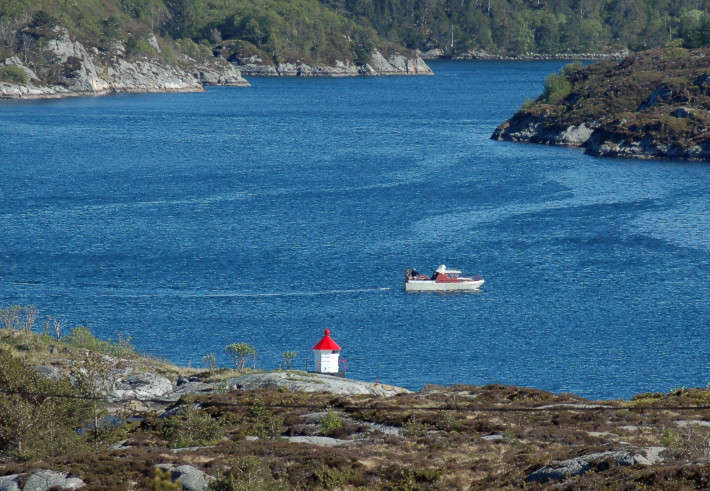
<point x="557" y="87"/>
<point x="330" y="422"/>
<point x="191" y="428"/>
<point x="198" y="52"/>
<point x="677" y="52"/>
<point x="247" y="474"/>
<point x="81" y="337"/>
<point x="336" y="478"/>
<point x="258" y="422"/>
<point x="528" y="103"/>
<point x="445" y="421"/>
<point x="413" y="428"/>
<point x="13" y="74"/>
<point x="211" y="361"/>
<point x="138" y="47"/>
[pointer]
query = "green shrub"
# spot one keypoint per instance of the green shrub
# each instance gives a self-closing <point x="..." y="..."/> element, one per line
<point x="557" y="87"/>
<point x="413" y="428"/>
<point x="122" y="347"/>
<point x="677" y="52"/>
<point x="199" y="52"/>
<point x="445" y="421"/>
<point x="330" y="422"/>
<point x="247" y="474"/>
<point x="13" y="74"/>
<point x="81" y="337"/>
<point x="33" y="425"/>
<point x="258" y="422"/>
<point x="419" y="478"/>
<point x="191" y="427"/>
<point x="571" y="68"/>
<point x="138" y="47"/>
<point x="211" y="361"/>
<point x="528" y="103"/>
<point x="336" y="478"/>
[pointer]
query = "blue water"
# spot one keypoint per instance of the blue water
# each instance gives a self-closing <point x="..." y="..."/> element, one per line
<point x="267" y="214"/>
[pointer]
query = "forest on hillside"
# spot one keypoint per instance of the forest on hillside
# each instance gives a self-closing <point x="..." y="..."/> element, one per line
<point x="321" y="31"/>
<point x="533" y="26"/>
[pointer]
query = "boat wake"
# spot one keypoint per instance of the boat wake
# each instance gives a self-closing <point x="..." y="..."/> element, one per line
<point x="213" y="294"/>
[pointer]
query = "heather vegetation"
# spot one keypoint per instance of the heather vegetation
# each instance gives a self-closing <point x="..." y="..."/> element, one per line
<point x="460" y="437"/>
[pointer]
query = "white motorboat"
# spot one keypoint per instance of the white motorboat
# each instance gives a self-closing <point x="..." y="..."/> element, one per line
<point x="443" y="280"/>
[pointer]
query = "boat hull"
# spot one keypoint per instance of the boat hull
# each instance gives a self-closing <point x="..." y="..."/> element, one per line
<point x="433" y="286"/>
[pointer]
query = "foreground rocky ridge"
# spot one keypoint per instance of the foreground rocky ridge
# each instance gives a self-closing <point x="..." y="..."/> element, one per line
<point x="229" y="429"/>
<point x="650" y="105"/>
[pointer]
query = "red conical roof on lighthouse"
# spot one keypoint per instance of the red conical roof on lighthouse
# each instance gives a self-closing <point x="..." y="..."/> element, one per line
<point x="327" y="342"/>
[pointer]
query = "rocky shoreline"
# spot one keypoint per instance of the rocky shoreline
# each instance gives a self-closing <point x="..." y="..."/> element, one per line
<point x="437" y="54"/>
<point x="394" y="64"/>
<point x="650" y="105"/>
<point x="79" y="71"/>
<point x="88" y="72"/>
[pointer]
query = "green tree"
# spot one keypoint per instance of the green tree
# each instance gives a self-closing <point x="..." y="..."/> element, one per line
<point x="241" y="352"/>
<point x="211" y="361"/>
<point x="38" y="416"/>
<point x="557" y="87"/>
<point x="94" y="380"/>
<point x="288" y="358"/>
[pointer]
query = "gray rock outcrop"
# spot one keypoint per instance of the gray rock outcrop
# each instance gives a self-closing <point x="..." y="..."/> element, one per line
<point x="322" y="441"/>
<point x="191" y="478"/>
<point x="295" y="381"/>
<point x="10" y="483"/>
<point x="88" y="73"/>
<point x="526" y="127"/>
<point x="561" y="470"/>
<point x="394" y="64"/>
<point x="141" y="385"/>
<point x="41" y="481"/>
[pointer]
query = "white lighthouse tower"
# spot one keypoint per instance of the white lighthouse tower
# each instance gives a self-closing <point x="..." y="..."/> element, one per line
<point x="326" y="354"/>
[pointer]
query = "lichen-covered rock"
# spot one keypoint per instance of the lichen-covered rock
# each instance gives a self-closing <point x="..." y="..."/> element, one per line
<point x="292" y="380"/>
<point x="191" y="478"/>
<point x="561" y="470"/>
<point x="10" y="483"/>
<point x="143" y="385"/>
<point x="47" y="479"/>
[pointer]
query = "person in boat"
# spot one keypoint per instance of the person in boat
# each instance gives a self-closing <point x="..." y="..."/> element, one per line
<point x="415" y="273"/>
<point x="406" y="274"/>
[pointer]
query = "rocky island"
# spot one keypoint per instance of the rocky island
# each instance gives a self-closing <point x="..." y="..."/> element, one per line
<point x="653" y="104"/>
<point x="79" y="412"/>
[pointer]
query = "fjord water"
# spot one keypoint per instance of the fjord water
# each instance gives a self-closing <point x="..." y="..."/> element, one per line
<point x="267" y="214"/>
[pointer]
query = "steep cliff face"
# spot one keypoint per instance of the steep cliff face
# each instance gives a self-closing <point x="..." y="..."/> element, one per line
<point x="394" y="64"/>
<point x="78" y="71"/>
<point x="651" y="105"/>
